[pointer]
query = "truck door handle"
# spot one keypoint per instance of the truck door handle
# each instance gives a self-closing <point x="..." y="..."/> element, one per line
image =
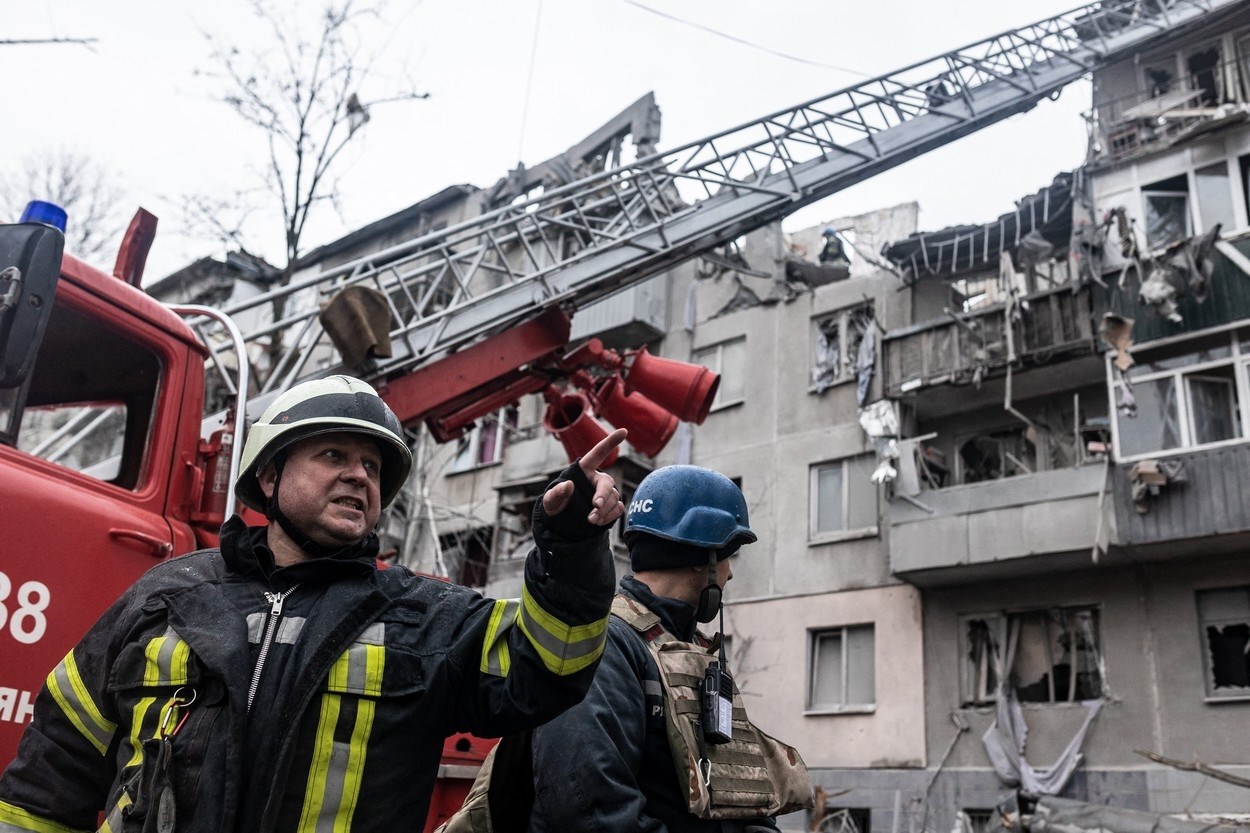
<point x="160" y="549"/>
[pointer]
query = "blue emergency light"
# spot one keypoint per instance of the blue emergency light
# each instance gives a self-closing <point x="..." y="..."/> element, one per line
<point x="50" y="214"/>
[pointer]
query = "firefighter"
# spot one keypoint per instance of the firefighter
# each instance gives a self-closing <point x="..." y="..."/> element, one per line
<point x="282" y="682"/>
<point x="646" y="759"/>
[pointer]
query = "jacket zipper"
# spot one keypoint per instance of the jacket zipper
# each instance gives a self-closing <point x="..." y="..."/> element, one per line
<point x="271" y="627"/>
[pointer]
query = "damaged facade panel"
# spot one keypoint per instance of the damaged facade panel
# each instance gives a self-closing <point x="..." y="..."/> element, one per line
<point x="1038" y="228"/>
<point x="1226" y="300"/>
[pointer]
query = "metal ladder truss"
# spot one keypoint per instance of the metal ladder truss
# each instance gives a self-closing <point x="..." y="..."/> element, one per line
<point x="572" y="245"/>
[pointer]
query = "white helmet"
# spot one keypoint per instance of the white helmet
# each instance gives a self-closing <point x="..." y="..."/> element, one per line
<point x="324" y="406"/>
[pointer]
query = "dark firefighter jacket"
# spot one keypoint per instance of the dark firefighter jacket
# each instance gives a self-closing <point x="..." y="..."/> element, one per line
<point x="623" y="777"/>
<point x="366" y="673"/>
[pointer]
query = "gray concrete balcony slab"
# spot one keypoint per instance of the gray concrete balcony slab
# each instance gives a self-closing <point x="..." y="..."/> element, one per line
<point x="1014" y="527"/>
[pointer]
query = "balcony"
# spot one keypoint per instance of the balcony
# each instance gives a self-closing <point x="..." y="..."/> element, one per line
<point x="966" y="347"/>
<point x="1169" y="111"/>
<point x="1011" y="528"/>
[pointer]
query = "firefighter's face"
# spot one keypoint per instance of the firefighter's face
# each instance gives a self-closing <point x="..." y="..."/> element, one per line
<point x="330" y="487"/>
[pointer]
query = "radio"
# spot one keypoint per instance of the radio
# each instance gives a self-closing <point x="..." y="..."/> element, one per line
<point x="717" y="708"/>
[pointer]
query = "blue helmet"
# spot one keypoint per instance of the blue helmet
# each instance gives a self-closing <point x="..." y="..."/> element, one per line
<point x="690" y="505"/>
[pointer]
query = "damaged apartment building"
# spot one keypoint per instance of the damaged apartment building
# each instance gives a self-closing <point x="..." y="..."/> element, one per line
<point x="1072" y="396"/>
<point x="996" y="470"/>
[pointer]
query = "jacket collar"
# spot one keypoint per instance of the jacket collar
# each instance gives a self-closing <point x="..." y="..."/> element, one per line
<point x="676" y="616"/>
<point x="246" y="550"/>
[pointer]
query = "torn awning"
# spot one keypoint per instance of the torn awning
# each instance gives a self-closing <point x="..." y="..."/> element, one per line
<point x="1040" y="224"/>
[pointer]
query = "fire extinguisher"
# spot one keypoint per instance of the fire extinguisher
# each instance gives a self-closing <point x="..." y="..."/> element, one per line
<point x="216" y="455"/>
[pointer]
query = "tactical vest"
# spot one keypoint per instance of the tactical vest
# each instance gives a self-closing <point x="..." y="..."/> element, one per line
<point x="752" y="776"/>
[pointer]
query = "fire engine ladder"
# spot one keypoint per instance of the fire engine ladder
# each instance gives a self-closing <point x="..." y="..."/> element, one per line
<point x="576" y="244"/>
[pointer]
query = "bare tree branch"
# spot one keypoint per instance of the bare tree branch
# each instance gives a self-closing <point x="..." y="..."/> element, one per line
<point x="35" y="41"/>
<point x="87" y="191"/>
<point x="304" y="91"/>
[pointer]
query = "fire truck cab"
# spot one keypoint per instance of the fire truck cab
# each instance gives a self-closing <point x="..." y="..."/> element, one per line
<point x="100" y="452"/>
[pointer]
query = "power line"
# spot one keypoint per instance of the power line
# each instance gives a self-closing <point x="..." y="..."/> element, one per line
<point x="529" y="82"/>
<point x="743" y="42"/>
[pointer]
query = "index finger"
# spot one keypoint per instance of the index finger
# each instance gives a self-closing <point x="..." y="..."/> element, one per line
<point x="594" y="458"/>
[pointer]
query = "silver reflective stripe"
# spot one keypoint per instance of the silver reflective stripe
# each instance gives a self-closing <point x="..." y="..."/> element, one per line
<point x="375" y="634"/>
<point x="70" y="692"/>
<point x="334" y="780"/>
<point x="564" y="649"/>
<point x="256" y="626"/>
<point x="653" y="688"/>
<point x="289" y="629"/>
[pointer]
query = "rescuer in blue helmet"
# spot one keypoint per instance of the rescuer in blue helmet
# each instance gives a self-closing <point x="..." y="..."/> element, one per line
<point x="687" y="519"/>
<point x="663" y="693"/>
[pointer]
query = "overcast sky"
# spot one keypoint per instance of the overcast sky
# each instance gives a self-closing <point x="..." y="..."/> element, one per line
<point x="508" y="80"/>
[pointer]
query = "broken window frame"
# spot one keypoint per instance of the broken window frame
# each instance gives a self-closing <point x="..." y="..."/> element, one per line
<point x="978" y="820"/>
<point x="1159" y="237"/>
<point x="727" y="358"/>
<point x="856" y="493"/>
<point x="834" y="363"/>
<point x="1211" y="357"/>
<point x="1022" y="460"/>
<point x="485" y="444"/>
<point x="855" y="675"/>
<point x="995" y="651"/>
<point x="1213" y="204"/>
<point x="1217" y="70"/>
<point x="457" y="548"/>
<point x="1235" y="613"/>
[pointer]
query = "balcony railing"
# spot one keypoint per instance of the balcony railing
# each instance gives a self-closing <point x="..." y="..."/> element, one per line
<point x="1170" y="111"/>
<point x="966" y="346"/>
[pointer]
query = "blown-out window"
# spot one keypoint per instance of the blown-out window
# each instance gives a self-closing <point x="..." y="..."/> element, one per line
<point x="1048" y="656"/>
<point x="1224" y="616"/>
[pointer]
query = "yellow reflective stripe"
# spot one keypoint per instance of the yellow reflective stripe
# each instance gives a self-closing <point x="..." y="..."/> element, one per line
<point x="138" y="715"/>
<point x="14" y="818"/>
<point x="339" y="672"/>
<point x="355" y="766"/>
<point x="112" y="822"/>
<point x="70" y="692"/>
<point x="336" y="773"/>
<point x="496" y="659"/>
<point x="564" y="649"/>
<point x="323" y="748"/>
<point x="166" y="660"/>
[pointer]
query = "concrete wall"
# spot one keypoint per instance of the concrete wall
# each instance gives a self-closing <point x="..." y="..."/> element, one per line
<point x="771" y="641"/>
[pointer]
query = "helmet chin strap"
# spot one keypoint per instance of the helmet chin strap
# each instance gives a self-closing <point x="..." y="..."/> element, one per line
<point x="710" y="597"/>
<point x="297" y="535"/>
